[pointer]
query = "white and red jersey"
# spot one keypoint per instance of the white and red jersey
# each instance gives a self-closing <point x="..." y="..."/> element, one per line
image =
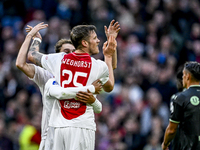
<point x="41" y="76"/>
<point x="73" y="70"/>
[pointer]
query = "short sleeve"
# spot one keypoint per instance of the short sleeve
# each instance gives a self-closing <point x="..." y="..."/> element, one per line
<point x="104" y="76"/>
<point x="41" y="76"/>
<point x="52" y="61"/>
<point x="176" y="109"/>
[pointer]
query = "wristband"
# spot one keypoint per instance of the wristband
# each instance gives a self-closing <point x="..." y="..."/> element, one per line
<point x="95" y="103"/>
<point x="37" y="39"/>
<point x="91" y="88"/>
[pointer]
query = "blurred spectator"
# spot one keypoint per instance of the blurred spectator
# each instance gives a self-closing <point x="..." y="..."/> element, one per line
<point x="165" y="82"/>
<point x="132" y="136"/>
<point x="37" y="17"/>
<point x="153" y="144"/>
<point x="134" y="47"/>
<point x="52" y="35"/>
<point x="5" y="142"/>
<point x="30" y="136"/>
<point x="155" y="107"/>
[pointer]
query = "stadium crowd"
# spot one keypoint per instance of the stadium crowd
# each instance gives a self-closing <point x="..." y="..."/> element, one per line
<point x="156" y="37"/>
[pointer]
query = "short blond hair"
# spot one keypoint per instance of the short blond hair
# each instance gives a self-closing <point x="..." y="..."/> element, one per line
<point x="60" y="43"/>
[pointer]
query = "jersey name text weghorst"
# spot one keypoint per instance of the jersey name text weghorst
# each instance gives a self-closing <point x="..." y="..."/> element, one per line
<point x="76" y="63"/>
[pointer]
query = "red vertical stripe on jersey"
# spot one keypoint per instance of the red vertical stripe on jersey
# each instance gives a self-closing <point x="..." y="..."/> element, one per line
<point x="75" y="71"/>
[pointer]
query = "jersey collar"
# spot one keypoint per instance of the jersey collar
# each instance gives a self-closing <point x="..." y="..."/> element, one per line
<point x="194" y="86"/>
<point x="81" y="54"/>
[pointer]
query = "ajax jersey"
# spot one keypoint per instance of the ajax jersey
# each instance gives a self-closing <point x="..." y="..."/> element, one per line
<point x="74" y="70"/>
<point x="40" y="78"/>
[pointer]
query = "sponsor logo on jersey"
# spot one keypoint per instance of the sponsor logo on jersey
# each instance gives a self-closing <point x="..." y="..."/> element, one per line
<point x="68" y="104"/>
<point x="194" y="100"/>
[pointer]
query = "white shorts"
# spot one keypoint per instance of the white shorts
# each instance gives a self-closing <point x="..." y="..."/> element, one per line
<point x="42" y="144"/>
<point x="47" y="144"/>
<point x="72" y="138"/>
<point x="49" y="139"/>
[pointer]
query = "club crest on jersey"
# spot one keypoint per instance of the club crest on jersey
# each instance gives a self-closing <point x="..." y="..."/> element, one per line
<point x="194" y="100"/>
<point x="68" y="104"/>
<point x="55" y="83"/>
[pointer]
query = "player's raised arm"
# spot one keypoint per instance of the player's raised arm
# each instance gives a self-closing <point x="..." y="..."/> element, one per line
<point x="113" y="30"/>
<point x="34" y="55"/>
<point x="109" y="49"/>
<point x="21" y="63"/>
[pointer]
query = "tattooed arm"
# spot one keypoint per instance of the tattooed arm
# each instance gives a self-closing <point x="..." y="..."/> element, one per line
<point x="34" y="55"/>
<point x="21" y="63"/>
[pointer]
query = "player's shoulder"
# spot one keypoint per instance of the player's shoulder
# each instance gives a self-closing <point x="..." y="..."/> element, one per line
<point x="179" y="98"/>
<point x="98" y="61"/>
<point x="174" y="96"/>
<point x="191" y="91"/>
<point x="54" y="55"/>
<point x="183" y="98"/>
<point x="41" y="71"/>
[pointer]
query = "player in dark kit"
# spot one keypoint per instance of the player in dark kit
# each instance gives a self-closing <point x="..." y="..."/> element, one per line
<point x="184" y="122"/>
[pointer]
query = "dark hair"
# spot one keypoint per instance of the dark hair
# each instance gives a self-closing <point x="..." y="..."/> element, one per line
<point x="194" y="69"/>
<point x="60" y="43"/>
<point x="179" y="73"/>
<point x="179" y="78"/>
<point x="79" y="33"/>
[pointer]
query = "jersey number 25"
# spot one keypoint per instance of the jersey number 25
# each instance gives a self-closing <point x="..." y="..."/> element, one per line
<point x="72" y="78"/>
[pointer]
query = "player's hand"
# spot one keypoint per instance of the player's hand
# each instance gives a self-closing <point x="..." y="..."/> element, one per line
<point x="109" y="47"/>
<point x="37" y="35"/>
<point x="165" y="147"/>
<point x="34" y="31"/>
<point x="98" y="86"/>
<point x="85" y="97"/>
<point x="113" y="29"/>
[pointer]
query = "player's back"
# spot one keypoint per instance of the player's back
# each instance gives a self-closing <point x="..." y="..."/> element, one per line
<point x="77" y="69"/>
<point x="188" y="134"/>
<point x="191" y="106"/>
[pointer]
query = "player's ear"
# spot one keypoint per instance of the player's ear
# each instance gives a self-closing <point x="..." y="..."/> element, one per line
<point x="188" y="76"/>
<point x="84" y="43"/>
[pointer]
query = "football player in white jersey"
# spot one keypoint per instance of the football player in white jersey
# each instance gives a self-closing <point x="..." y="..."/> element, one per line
<point x="40" y="76"/>
<point x="74" y="121"/>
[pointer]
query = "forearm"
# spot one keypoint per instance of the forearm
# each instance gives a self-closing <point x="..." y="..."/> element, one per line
<point x="169" y="135"/>
<point x="34" y="55"/>
<point x="68" y="93"/>
<point x="109" y="85"/>
<point x="21" y="64"/>
<point x="97" y="106"/>
<point x="21" y="57"/>
<point x="114" y="60"/>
